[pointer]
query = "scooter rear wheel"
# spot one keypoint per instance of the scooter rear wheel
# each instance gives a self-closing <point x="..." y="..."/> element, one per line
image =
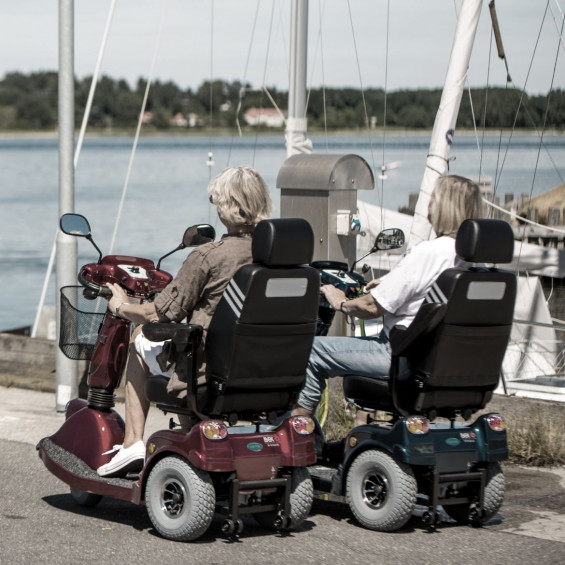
<point x="301" y="498"/>
<point x="180" y="499"/>
<point x="380" y="491"/>
<point x="495" y="487"/>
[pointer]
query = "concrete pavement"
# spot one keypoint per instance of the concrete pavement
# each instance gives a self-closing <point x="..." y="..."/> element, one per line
<point x="534" y="505"/>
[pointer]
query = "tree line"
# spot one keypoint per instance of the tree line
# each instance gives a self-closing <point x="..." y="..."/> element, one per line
<point x="29" y="102"/>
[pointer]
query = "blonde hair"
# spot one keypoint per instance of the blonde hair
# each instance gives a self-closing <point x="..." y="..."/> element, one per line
<point x="453" y="200"/>
<point x="240" y="195"/>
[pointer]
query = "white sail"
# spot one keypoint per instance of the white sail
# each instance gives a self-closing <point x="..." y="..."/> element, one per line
<point x="446" y="117"/>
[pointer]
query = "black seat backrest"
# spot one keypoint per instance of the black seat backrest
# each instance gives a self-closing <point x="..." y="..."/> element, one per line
<point x="260" y="336"/>
<point x="455" y="346"/>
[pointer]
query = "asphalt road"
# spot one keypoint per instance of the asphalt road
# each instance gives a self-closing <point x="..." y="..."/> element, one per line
<point x="39" y="522"/>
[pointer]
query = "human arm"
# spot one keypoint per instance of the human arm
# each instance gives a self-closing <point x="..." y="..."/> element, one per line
<point x="137" y="313"/>
<point x="372" y="284"/>
<point x="365" y="307"/>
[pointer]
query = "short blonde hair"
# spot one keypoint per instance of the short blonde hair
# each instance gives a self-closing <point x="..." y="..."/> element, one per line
<point x="453" y="200"/>
<point x="240" y="195"/>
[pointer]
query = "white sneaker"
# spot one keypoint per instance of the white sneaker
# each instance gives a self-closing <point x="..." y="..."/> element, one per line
<point x="126" y="459"/>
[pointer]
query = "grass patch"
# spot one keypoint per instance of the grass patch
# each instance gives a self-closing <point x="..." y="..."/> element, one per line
<point x="535" y="429"/>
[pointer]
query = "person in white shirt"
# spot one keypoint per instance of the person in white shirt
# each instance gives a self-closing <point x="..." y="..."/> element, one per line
<point x="397" y="298"/>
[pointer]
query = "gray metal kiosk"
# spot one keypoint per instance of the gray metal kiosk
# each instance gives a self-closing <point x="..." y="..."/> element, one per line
<point x="323" y="190"/>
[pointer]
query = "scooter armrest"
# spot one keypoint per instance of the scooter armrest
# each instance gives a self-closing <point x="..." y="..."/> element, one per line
<point x="179" y="333"/>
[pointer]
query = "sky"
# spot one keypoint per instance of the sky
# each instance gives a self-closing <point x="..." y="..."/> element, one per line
<point x="392" y="44"/>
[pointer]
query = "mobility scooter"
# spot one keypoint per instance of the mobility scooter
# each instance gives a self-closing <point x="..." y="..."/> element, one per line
<point x="422" y="448"/>
<point x="243" y="455"/>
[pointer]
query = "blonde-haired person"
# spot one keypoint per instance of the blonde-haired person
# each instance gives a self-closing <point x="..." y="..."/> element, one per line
<point x="241" y="198"/>
<point x="397" y="298"/>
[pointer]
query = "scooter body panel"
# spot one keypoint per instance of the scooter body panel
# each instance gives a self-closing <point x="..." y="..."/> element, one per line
<point x="90" y="434"/>
<point x="444" y="449"/>
<point x="252" y="455"/>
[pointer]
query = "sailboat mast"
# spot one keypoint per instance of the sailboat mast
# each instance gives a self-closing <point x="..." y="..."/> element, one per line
<point x="446" y="117"/>
<point x="296" y="123"/>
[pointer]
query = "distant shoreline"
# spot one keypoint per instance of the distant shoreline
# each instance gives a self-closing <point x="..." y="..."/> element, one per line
<point x="38" y="134"/>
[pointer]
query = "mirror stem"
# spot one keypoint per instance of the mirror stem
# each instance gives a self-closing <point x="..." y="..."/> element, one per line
<point x="181" y="246"/>
<point x="89" y="237"/>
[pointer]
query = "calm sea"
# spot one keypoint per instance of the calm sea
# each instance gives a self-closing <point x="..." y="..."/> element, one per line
<point x="167" y="191"/>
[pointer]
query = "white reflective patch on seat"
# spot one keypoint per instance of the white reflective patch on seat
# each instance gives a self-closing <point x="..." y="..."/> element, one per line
<point x="278" y="288"/>
<point x="488" y="290"/>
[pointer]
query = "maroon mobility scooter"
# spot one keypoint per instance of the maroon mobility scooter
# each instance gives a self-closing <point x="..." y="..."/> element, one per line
<point x="244" y="455"/>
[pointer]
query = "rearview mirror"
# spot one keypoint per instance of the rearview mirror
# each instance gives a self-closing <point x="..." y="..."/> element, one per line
<point x="198" y="235"/>
<point x="392" y="238"/>
<point x="74" y="224"/>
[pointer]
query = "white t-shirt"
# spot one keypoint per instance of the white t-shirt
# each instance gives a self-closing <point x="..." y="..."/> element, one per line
<point x="402" y="291"/>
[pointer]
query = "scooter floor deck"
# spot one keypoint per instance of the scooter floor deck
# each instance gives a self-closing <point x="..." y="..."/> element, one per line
<point x="78" y="467"/>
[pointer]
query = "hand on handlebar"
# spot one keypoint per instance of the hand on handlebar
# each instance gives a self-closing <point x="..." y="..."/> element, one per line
<point x="333" y="295"/>
<point x="118" y="296"/>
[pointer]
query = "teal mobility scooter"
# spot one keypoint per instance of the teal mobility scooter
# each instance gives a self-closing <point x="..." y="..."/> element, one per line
<point x="423" y="448"/>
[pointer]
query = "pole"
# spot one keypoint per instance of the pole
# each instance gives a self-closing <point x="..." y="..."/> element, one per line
<point x="66" y="270"/>
<point x="296" y="123"/>
<point x="446" y="117"/>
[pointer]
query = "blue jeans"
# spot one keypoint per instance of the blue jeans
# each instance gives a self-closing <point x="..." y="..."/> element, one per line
<point x="338" y="356"/>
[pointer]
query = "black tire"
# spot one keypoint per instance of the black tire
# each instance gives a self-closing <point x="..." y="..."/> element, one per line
<point x="380" y="491"/>
<point x="83" y="498"/>
<point x="301" y="497"/>
<point x="495" y="486"/>
<point x="180" y="499"/>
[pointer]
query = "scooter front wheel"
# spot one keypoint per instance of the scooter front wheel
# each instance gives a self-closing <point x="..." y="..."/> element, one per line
<point x="83" y="498"/>
<point x="180" y="499"/>
<point x="380" y="491"/>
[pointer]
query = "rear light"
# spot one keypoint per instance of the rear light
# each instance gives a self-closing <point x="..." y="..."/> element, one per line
<point x="302" y="425"/>
<point x="496" y="422"/>
<point x="417" y="425"/>
<point x="214" y="429"/>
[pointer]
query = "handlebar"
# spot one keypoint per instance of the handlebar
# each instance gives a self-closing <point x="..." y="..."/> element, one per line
<point x="137" y="276"/>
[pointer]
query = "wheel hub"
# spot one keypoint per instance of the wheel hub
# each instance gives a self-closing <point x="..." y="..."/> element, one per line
<point x="374" y="489"/>
<point x="173" y="498"/>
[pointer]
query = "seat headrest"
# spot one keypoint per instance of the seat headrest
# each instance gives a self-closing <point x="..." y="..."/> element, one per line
<point x="283" y="242"/>
<point x="485" y="241"/>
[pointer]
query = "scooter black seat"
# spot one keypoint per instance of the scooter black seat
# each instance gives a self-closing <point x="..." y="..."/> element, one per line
<point x="452" y="352"/>
<point x="259" y="339"/>
<point x="156" y="391"/>
<point x="369" y="393"/>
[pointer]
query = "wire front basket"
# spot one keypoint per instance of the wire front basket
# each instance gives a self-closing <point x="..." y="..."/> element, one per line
<point x="80" y="321"/>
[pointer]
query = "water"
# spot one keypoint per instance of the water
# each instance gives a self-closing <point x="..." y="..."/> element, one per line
<point x="167" y="191"/>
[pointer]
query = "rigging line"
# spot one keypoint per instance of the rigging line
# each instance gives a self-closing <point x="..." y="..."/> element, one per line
<point x="521" y="218"/>
<point x="139" y="123"/>
<point x="320" y="46"/>
<point x="387" y="35"/>
<point x="482" y="144"/>
<point x="242" y="90"/>
<point x="211" y="94"/>
<point x="522" y="94"/>
<point x="93" y="83"/>
<point x="543" y="130"/>
<point x="362" y="88"/>
<point x="555" y="21"/>
<point x="263" y="87"/>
